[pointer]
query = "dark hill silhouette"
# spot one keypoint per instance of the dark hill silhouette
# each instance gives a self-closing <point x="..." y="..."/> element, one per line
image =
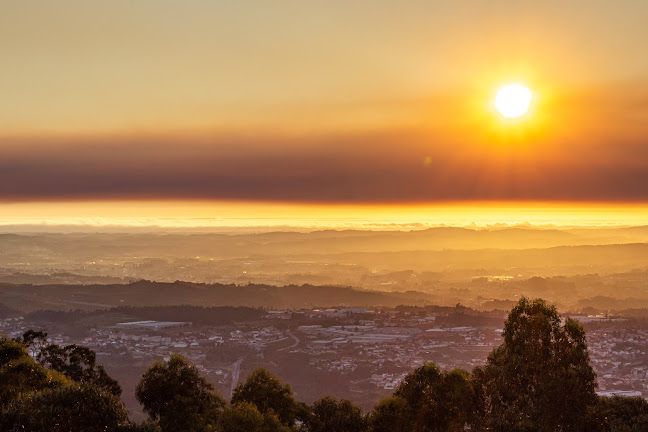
<point x="147" y="293"/>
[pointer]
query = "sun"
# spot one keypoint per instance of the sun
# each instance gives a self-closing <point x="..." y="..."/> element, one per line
<point x="513" y="100"/>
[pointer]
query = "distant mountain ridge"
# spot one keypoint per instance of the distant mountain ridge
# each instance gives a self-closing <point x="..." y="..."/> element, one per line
<point x="146" y="293"/>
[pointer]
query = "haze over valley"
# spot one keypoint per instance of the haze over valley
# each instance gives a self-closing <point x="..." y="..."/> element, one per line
<point x="444" y="266"/>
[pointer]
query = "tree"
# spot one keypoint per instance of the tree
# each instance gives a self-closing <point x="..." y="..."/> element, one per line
<point x="34" y="339"/>
<point x="268" y="394"/>
<point x="540" y="378"/>
<point x="623" y="414"/>
<point x="141" y="427"/>
<point x="245" y="417"/>
<point x="438" y="400"/>
<point x="20" y="374"/>
<point x="37" y="399"/>
<point x="174" y="394"/>
<point x="75" y="407"/>
<point x="391" y="414"/>
<point x="428" y="400"/>
<point x="330" y="414"/>
<point x="74" y="361"/>
<point x="79" y="364"/>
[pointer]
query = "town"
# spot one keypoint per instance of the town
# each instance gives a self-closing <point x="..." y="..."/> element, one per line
<point x="357" y="353"/>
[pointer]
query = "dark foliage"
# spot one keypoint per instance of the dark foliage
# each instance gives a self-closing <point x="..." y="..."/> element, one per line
<point x="267" y="394"/>
<point x="428" y="400"/>
<point x="623" y="414"/>
<point x="539" y="380"/>
<point x="245" y="417"/>
<point x="20" y="374"/>
<point x="76" y="362"/>
<point x="76" y="407"/>
<point x="330" y="414"/>
<point x="174" y="394"/>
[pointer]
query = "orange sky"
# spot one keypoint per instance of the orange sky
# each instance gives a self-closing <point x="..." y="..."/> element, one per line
<point x="335" y="103"/>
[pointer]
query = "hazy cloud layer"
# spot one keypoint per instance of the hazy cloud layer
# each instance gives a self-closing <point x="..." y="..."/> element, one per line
<point x="385" y="167"/>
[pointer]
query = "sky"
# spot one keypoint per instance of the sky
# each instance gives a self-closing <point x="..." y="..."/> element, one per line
<point x="107" y="106"/>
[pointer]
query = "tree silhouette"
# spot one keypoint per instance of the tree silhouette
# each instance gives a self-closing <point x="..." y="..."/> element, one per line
<point x="622" y="414"/>
<point x="540" y="378"/>
<point x="20" y="374"/>
<point x="245" y="417"/>
<point x="174" y="394"/>
<point x="77" y="362"/>
<point x="268" y="394"/>
<point x="436" y="400"/>
<point x="330" y="414"/>
<point x="391" y="414"/>
<point x="76" y="407"/>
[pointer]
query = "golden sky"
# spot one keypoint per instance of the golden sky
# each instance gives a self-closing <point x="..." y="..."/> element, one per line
<point x="276" y="215"/>
<point x="354" y="102"/>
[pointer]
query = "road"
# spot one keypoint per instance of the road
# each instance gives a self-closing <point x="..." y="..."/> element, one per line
<point x="236" y="373"/>
<point x="295" y="338"/>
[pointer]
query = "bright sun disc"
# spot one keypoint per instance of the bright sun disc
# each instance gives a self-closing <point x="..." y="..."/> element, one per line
<point x="513" y="100"/>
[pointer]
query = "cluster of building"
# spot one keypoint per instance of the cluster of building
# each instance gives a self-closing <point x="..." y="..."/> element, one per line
<point x="390" y="352"/>
<point x="619" y="357"/>
<point x="372" y="350"/>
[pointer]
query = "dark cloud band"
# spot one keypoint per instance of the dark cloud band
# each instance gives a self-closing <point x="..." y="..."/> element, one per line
<point x="369" y="168"/>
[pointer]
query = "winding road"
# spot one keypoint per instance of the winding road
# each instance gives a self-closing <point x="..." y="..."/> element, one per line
<point x="295" y="338"/>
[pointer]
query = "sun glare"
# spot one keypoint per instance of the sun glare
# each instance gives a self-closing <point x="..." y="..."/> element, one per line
<point x="513" y="101"/>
